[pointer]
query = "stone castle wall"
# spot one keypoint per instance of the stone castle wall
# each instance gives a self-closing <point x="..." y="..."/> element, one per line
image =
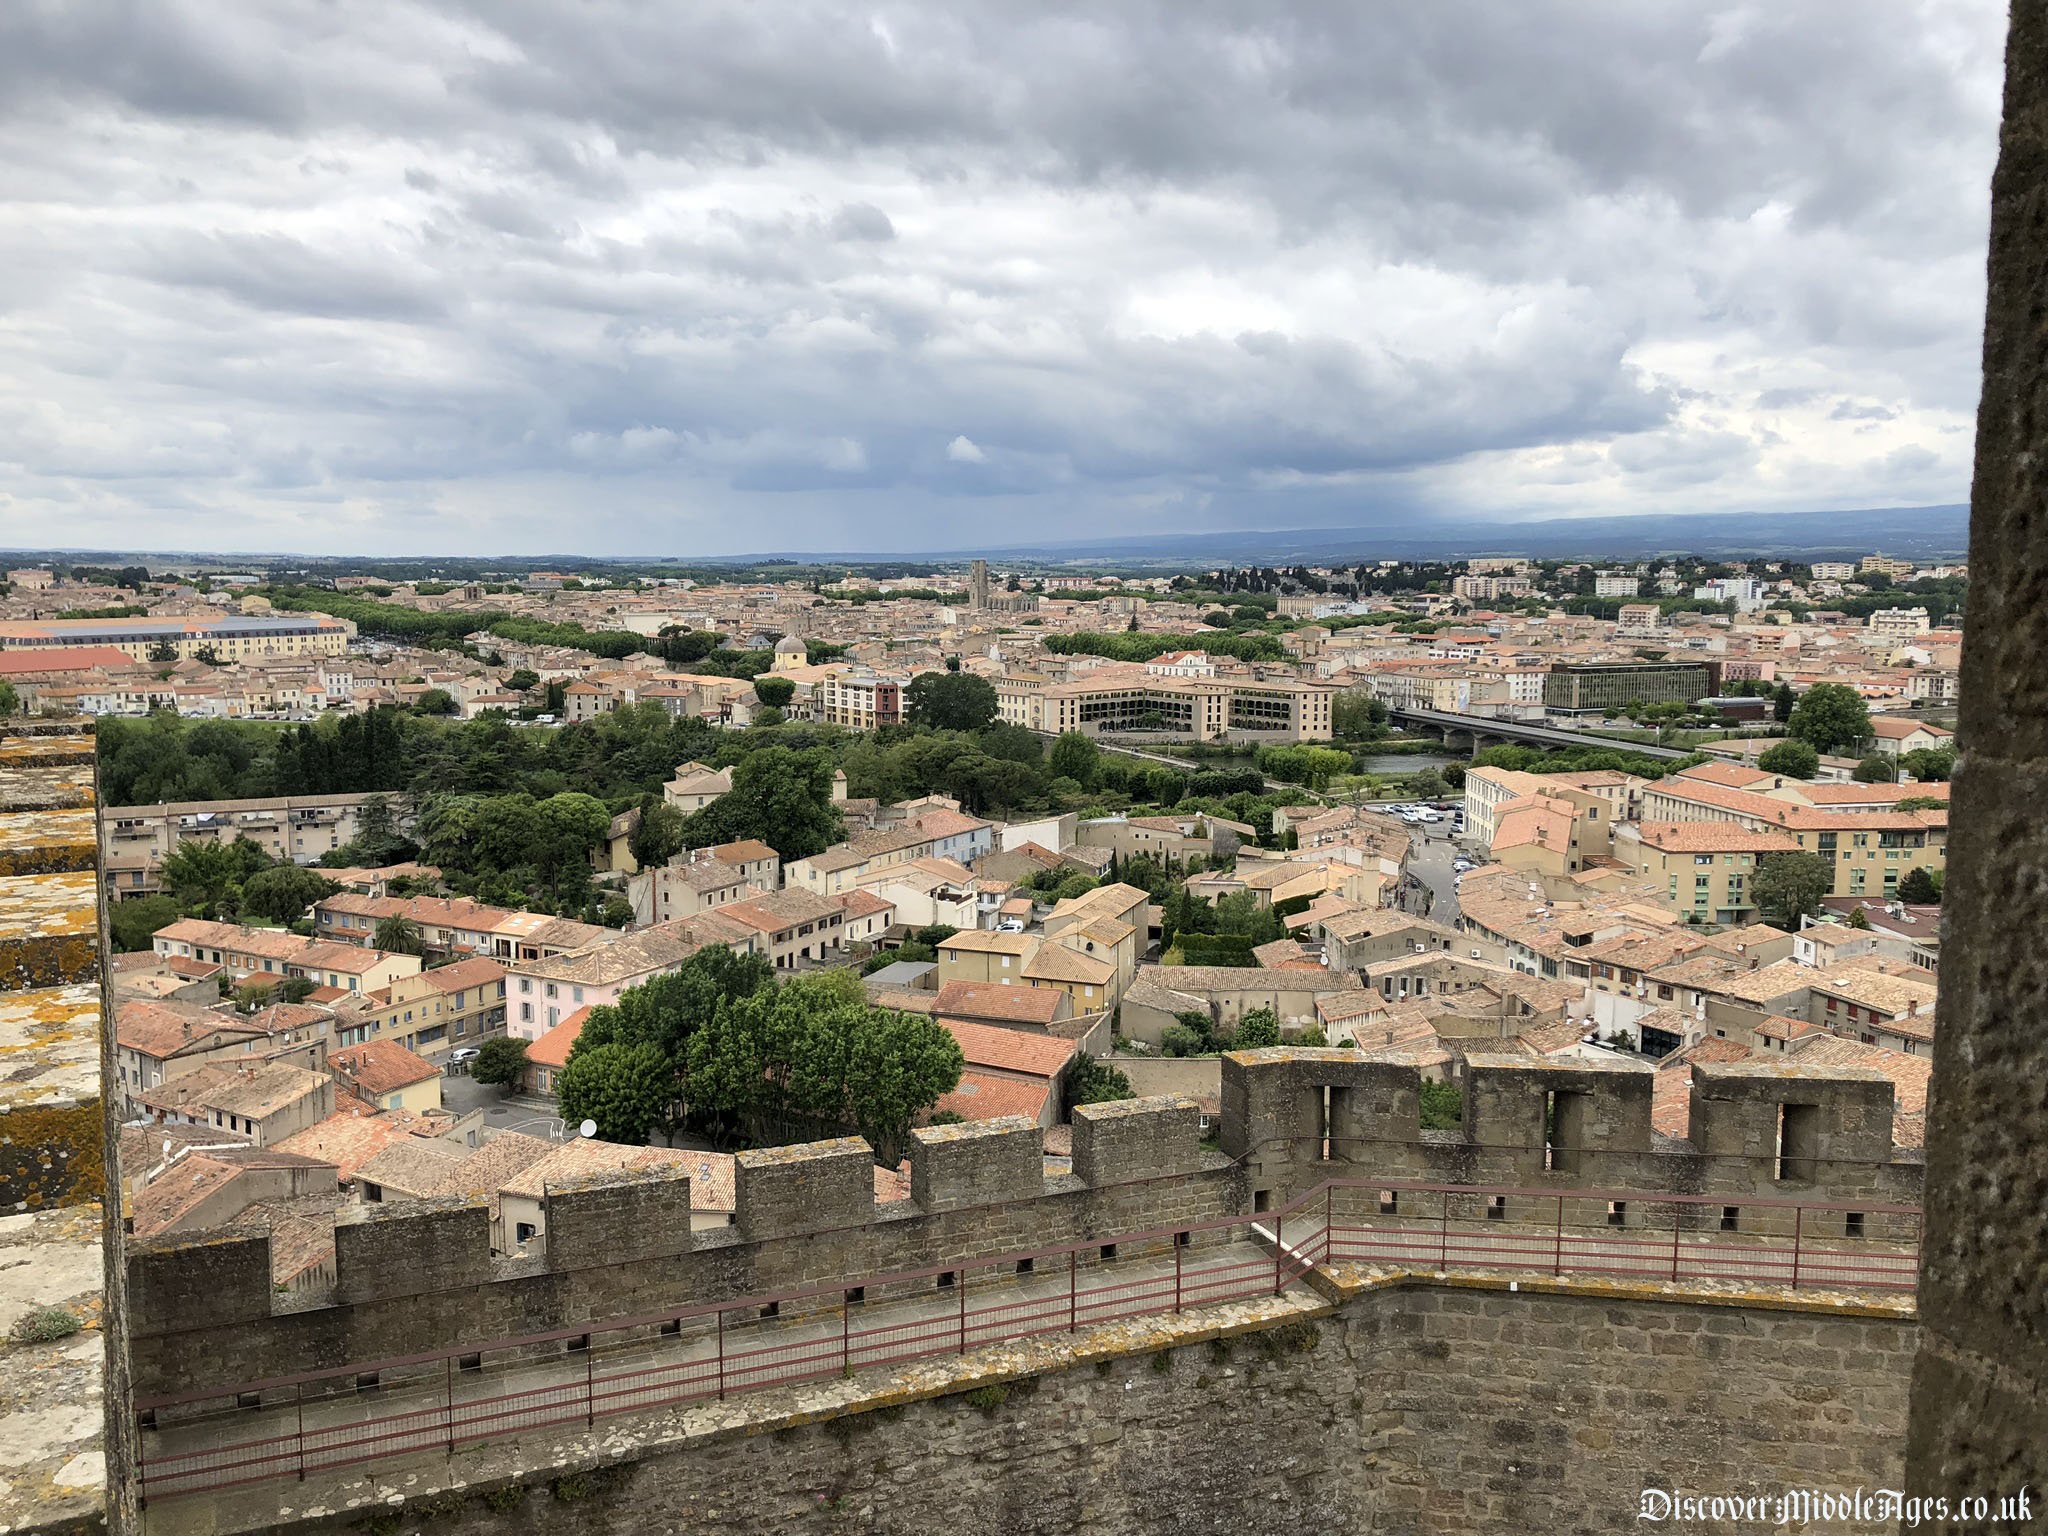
<point x="414" y="1277"/>
<point x="1405" y="1411"/>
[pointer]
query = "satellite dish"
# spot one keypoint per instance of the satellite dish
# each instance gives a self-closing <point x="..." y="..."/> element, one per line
<point x="587" y="1129"/>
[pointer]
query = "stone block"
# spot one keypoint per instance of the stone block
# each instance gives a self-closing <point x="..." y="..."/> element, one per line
<point x="984" y="1162"/>
<point x="1815" y="1116"/>
<point x="814" y="1187"/>
<point x="1572" y="1107"/>
<point x="617" y="1217"/>
<point x="411" y="1248"/>
<point x="211" y="1280"/>
<point x="1132" y="1139"/>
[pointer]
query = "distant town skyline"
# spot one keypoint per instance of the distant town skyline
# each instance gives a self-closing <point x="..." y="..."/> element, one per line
<point x="727" y="279"/>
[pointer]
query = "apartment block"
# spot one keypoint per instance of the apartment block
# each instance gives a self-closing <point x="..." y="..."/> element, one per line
<point x="1130" y="700"/>
<point x="226" y="638"/>
<point x="297" y="829"/>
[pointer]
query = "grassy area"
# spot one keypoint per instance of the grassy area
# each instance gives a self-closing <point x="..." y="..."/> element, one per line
<point x="1685" y="738"/>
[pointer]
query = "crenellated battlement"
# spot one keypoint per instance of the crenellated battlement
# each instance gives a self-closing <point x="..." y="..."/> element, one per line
<point x="413" y="1275"/>
<point x="1758" y="1129"/>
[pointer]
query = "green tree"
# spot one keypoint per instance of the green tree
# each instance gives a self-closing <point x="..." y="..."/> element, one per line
<point x="283" y="892"/>
<point x="899" y="1065"/>
<point x="775" y="692"/>
<point x="664" y="1011"/>
<point x="1794" y="759"/>
<point x="781" y="796"/>
<point x="208" y="875"/>
<point x="296" y="989"/>
<point x="1878" y="768"/>
<point x="659" y="836"/>
<point x="378" y="841"/>
<point x="255" y="993"/>
<point x="1260" y="1027"/>
<point x="10" y="701"/>
<point x="1921" y="886"/>
<point x="522" y="680"/>
<point x="133" y="924"/>
<point x="1088" y="1081"/>
<point x="1830" y="717"/>
<point x="1782" y="702"/>
<point x="398" y="935"/>
<point x="951" y="701"/>
<point x="1931" y="765"/>
<point x="436" y="701"/>
<point x="1789" y="886"/>
<point x="1355" y="715"/>
<point x="1858" y="918"/>
<point x="566" y="828"/>
<point x="626" y="1089"/>
<point x="1075" y="756"/>
<point x="1443" y="1106"/>
<point x="1427" y="785"/>
<point x="499" y="1061"/>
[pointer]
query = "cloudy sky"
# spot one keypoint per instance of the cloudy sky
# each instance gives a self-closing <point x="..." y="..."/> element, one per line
<point x="661" y="278"/>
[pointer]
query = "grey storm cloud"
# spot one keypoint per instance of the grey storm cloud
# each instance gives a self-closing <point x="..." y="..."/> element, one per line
<point x="510" y="274"/>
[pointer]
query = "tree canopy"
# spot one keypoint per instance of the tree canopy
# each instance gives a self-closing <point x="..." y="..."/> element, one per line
<point x="950" y="701"/>
<point x="1830" y="717"/>
<point x="1789" y="886"/>
<point x="781" y="796"/>
<point x="499" y="1061"/>
<point x="283" y="892"/>
<point x="626" y="1089"/>
<point x="1794" y="759"/>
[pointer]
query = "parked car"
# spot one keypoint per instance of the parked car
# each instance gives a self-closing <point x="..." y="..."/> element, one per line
<point x="462" y="1056"/>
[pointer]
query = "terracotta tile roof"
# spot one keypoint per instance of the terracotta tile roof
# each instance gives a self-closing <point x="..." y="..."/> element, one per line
<point x="1712" y="837"/>
<point x="578" y="1158"/>
<point x="265" y="1090"/>
<point x="416" y="1166"/>
<point x="978" y="941"/>
<point x="494" y="1164"/>
<point x="748" y="850"/>
<point x="1010" y="1050"/>
<point x="988" y="1000"/>
<point x="378" y="1067"/>
<point x="1730" y="775"/>
<point x="161" y="1030"/>
<point x="552" y="1048"/>
<point x="1056" y="962"/>
<point x="864" y="903"/>
<point x="194" y="1178"/>
<point x="464" y="974"/>
<point x="892" y="1183"/>
<point x="984" y="1097"/>
<point x="348" y="1139"/>
<point x="1888" y="993"/>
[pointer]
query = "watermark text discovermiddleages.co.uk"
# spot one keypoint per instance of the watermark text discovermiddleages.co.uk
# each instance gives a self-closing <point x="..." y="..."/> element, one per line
<point x="1811" y="1508"/>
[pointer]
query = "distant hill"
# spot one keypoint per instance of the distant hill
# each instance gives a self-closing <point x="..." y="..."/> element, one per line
<point x="1922" y="533"/>
<point x="1917" y="532"/>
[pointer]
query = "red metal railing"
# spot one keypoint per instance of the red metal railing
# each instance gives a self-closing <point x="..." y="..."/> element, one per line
<point x="443" y="1401"/>
<point x="1627" y="1234"/>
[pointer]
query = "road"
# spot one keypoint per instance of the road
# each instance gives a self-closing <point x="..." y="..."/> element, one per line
<point x="461" y="1093"/>
<point x="1430" y="875"/>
